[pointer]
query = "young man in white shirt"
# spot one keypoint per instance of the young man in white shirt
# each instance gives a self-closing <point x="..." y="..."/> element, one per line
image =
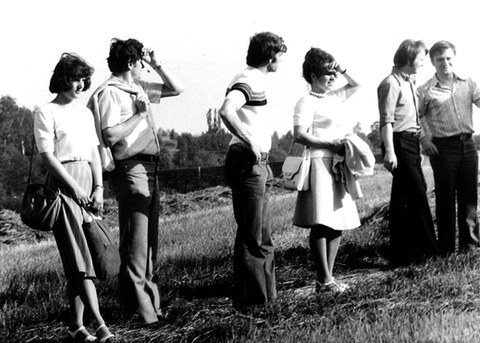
<point x="124" y="124"/>
<point x="245" y="114"/>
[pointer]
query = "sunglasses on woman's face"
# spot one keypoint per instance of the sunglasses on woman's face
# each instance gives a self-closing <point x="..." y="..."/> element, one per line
<point x="331" y="73"/>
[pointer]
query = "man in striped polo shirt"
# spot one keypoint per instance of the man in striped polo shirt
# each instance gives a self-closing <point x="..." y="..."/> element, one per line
<point x="245" y="114"/>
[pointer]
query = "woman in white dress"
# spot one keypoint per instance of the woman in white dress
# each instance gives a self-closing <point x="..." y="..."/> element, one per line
<point x="66" y="140"/>
<point x="325" y="208"/>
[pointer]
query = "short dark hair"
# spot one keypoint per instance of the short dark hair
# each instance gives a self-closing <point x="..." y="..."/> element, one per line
<point x="263" y="47"/>
<point x="316" y="62"/>
<point x="71" y="67"/>
<point x="439" y="46"/>
<point x="408" y="51"/>
<point x="123" y="52"/>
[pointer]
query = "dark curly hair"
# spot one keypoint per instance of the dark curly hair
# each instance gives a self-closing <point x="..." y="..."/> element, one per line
<point x="70" y="68"/>
<point x="123" y="52"/>
<point x="317" y="63"/>
<point x="263" y="47"/>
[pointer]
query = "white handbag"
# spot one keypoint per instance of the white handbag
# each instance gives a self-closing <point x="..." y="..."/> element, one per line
<point x="296" y="172"/>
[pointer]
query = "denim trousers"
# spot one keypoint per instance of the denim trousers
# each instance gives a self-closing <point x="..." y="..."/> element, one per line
<point x="455" y="171"/>
<point x="134" y="184"/>
<point x="412" y="233"/>
<point x="253" y="260"/>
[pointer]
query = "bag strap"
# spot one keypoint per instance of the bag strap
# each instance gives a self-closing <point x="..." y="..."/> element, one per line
<point x="31" y="161"/>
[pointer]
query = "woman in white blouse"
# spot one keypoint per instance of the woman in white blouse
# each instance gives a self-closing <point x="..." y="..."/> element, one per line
<point x="66" y="140"/>
<point x="326" y="208"/>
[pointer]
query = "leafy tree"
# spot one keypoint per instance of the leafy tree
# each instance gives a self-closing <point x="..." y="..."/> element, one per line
<point x="277" y="153"/>
<point x="173" y="135"/>
<point x="358" y="129"/>
<point x="285" y="144"/>
<point x="208" y="149"/>
<point x="16" y="138"/>
<point x="374" y="137"/>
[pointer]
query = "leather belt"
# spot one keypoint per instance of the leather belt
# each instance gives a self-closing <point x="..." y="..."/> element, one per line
<point x="263" y="155"/>
<point x="407" y="134"/>
<point x="145" y="158"/>
<point x="460" y="137"/>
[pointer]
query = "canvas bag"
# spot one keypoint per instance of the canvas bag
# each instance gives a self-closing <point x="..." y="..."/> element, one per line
<point x="296" y="172"/>
<point x="103" y="248"/>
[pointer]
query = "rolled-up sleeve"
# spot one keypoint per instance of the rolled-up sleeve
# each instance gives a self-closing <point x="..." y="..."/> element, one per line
<point x="153" y="91"/>
<point x="44" y="131"/>
<point x="388" y="94"/>
<point x="476" y="93"/>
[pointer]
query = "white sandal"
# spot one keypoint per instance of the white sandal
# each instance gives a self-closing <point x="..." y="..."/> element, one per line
<point x="81" y="335"/>
<point x="330" y="286"/>
<point x="342" y="284"/>
<point x="108" y="338"/>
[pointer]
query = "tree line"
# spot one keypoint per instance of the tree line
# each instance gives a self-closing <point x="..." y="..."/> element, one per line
<point x="179" y="150"/>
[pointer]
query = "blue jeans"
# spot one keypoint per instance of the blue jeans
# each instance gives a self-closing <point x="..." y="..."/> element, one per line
<point x="134" y="184"/>
<point x="253" y="260"/>
<point x="455" y="171"/>
<point x="412" y="233"/>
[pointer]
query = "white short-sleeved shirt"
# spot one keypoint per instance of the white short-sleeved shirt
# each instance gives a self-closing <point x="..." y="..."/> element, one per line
<point x="117" y="105"/>
<point x="247" y="92"/>
<point x="66" y="131"/>
<point x="324" y="118"/>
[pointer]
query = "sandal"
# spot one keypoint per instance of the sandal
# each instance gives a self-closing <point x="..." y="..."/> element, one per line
<point x="305" y="292"/>
<point x="81" y="335"/>
<point x="109" y="338"/>
<point x="331" y="286"/>
<point x="342" y="284"/>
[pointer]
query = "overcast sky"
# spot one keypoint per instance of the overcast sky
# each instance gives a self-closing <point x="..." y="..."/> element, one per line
<point x="205" y="43"/>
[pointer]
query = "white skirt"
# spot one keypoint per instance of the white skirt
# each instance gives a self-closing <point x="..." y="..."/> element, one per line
<point x="326" y="202"/>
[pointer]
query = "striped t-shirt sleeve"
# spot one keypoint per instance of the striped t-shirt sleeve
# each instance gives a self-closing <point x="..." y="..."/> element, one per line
<point x="252" y="98"/>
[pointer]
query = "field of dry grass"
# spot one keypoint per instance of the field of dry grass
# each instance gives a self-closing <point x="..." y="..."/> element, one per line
<point x="436" y="301"/>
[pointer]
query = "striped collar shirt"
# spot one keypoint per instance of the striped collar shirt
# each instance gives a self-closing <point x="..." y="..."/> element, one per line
<point x="446" y="112"/>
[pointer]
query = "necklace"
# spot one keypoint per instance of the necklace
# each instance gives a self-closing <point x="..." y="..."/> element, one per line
<point x="318" y="95"/>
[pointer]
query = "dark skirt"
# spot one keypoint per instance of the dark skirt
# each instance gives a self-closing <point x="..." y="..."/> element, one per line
<point x="68" y="231"/>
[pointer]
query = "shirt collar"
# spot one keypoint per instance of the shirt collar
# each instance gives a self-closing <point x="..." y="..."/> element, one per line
<point x="434" y="81"/>
<point x="400" y="74"/>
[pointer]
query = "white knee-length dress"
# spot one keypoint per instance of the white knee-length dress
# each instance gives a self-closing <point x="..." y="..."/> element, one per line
<point x="326" y="202"/>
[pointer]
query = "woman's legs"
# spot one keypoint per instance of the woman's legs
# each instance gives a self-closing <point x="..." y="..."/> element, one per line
<point x="324" y="243"/>
<point x="76" y="307"/>
<point x="83" y="295"/>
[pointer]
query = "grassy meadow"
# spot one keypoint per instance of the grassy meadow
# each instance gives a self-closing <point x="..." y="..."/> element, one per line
<point x="436" y="301"/>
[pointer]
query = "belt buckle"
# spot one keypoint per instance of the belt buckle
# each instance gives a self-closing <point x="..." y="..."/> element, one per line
<point x="465" y="136"/>
<point x="264" y="156"/>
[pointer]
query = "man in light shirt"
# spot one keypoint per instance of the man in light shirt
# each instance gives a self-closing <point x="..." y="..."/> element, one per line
<point x="412" y="234"/>
<point x="446" y="106"/>
<point x="121" y="107"/>
<point x="245" y="114"/>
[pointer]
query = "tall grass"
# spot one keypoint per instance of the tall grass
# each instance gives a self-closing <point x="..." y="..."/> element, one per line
<point x="435" y="301"/>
